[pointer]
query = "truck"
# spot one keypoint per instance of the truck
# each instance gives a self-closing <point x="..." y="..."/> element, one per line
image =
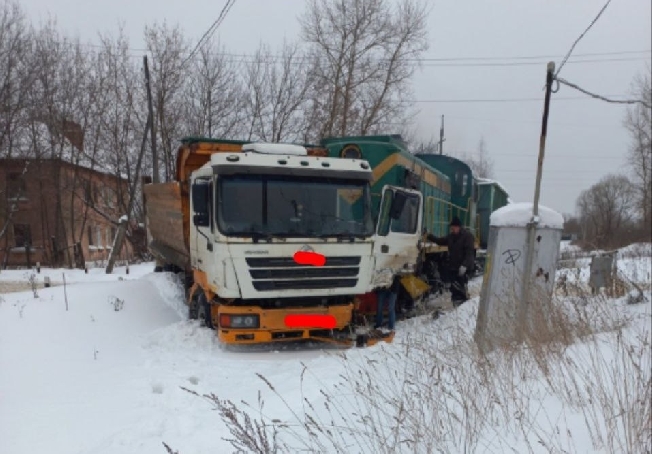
<point x="276" y="240"/>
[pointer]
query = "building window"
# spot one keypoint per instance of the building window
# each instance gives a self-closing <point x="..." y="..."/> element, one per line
<point x="22" y="235"/>
<point x="109" y="238"/>
<point x="87" y="192"/>
<point x="109" y="197"/>
<point x="91" y="240"/>
<point x="16" y="188"/>
<point x="98" y="232"/>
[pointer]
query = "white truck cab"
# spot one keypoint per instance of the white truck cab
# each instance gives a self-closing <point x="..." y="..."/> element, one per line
<point x="252" y="211"/>
<point x="262" y="205"/>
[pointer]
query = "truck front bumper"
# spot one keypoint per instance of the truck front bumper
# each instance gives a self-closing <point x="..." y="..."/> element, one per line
<point x="273" y="326"/>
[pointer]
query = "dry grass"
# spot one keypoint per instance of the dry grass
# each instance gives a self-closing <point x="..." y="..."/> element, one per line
<point x="580" y="380"/>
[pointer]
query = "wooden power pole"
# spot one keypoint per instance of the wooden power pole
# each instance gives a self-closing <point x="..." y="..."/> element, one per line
<point x="441" y="136"/>
<point x="152" y="129"/>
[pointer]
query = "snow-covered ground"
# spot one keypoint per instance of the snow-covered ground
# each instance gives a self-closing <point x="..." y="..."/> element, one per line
<point x="106" y="375"/>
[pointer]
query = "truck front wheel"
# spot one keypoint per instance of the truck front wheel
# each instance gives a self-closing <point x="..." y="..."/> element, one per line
<point x="204" y="310"/>
<point x="193" y="307"/>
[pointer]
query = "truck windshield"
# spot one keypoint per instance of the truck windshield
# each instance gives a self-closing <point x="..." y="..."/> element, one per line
<point x="251" y="205"/>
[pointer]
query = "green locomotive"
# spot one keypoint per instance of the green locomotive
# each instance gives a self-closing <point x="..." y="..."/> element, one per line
<point x="393" y="164"/>
<point x="491" y="196"/>
<point x="448" y="186"/>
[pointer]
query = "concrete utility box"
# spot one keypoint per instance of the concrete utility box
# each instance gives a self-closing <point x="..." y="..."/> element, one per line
<point x="516" y="237"/>
<point x="603" y="270"/>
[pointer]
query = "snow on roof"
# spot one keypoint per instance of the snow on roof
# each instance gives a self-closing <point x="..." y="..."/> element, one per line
<point x="520" y="215"/>
<point x="276" y="148"/>
<point x="39" y="148"/>
<point x="497" y="183"/>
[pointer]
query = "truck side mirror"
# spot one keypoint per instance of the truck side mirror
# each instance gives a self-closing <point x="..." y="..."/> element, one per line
<point x="201" y="220"/>
<point x="398" y="203"/>
<point x="200" y="200"/>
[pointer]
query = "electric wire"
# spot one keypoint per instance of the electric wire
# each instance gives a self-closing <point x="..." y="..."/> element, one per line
<point x="225" y="10"/>
<point x="603" y="98"/>
<point x="570" y="51"/>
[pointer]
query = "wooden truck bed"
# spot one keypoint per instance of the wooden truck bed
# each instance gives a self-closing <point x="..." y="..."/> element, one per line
<point x="165" y="222"/>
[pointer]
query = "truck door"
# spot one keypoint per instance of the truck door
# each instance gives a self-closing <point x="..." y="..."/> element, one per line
<point x="398" y="232"/>
<point x="201" y="243"/>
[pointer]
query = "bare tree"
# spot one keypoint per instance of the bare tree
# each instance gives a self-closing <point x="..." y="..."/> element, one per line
<point x="480" y="162"/>
<point x="213" y="94"/>
<point x="420" y="147"/>
<point x="16" y="75"/>
<point x="10" y="205"/>
<point x="168" y="48"/>
<point x="278" y="90"/>
<point x="606" y="210"/>
<point x="124" y="120"/>
<point x="638" y="122"/>
<point x="362" y="55"/>
<point x="67" y="102"/>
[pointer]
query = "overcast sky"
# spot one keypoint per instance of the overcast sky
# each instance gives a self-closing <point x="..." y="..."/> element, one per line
<point x="586" y="139"/>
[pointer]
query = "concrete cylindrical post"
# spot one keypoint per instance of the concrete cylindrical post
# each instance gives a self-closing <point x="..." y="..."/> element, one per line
<point x="512" y="303"/>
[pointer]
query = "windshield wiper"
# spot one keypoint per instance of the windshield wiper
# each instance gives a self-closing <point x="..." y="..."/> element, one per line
<point x="343" y="236"/>
<point x="258" y="236"/>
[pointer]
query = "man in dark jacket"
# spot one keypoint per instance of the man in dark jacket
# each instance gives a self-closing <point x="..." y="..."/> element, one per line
<point x="461" y="246"/>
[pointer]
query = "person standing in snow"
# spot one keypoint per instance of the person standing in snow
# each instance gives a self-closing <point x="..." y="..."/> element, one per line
<point x="387" y="296"/>
<point x="461" y="258"/>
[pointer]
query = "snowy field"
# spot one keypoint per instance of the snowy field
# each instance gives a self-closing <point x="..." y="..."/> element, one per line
<point x="107" y="375"/>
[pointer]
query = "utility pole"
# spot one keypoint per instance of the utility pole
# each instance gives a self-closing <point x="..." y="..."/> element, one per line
<point x="544" y="133"/>
<point x="532" y="226"/>
<point x="441" y="136"/>
<point x="210" y="115"/>
<point x="152" y="130"/>
<point x="118" y="240"/>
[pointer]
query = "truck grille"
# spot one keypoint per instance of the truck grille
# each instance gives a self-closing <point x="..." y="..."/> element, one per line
<point x="283" y="273"/>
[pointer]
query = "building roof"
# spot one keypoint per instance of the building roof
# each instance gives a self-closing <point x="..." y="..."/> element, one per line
<point x="83" y="165"/>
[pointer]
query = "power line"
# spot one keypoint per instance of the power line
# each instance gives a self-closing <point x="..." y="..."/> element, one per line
<point x="603" y="98"/>
<point x="582" y="90"/>
<point x="496" y="100"/>
<point x="300" y="61"/>
<point x="520" y="121"/>
<point x="531" y="57"/>
<point x="604" y="157"/>
<point x="530" y="63"/>
<point x="580" y="37"/>
<point x="211" y="29"/>
<point x="557" y="173"/>
<point x="509" y="181"/>
<point x="247" y="57"/>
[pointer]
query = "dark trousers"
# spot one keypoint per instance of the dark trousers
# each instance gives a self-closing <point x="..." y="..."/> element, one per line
<point x="459" y="291"/>
<point x="386" y="296"/>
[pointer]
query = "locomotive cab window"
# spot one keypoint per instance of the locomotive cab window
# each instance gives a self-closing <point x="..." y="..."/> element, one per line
<point x="461" y="183"/>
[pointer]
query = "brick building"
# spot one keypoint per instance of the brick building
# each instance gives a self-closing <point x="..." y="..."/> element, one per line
<point x="57" y="213"/>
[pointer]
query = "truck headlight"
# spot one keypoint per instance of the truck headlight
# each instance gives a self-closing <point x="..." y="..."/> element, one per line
<point x="239" y="321"/>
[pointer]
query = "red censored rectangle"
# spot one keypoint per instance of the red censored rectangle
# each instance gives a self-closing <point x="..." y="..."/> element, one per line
<point x="309" y="258"/>
<point x="310" y="321"/>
